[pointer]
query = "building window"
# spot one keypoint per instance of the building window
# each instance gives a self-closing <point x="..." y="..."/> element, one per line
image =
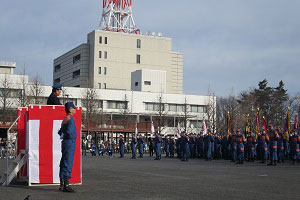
<point x="105" y="40"/>
<point x="139" y="43"/>
<point x="99" y="85"/>
<point x="76" y="59"/>
<point x="116" y="105"/>
<point x="56" y="81"/>
<point x="57" y="68"/>
<point x="176" y="108"/>
<point x="100" y="54"/>
<point x="99" y="70"/>
<point x="105" y="70"/>
<point x="105" y="54"/>
<point x="97" y="103"/>
<point x="173" y="107"/>
<point x="138" y="59"/>
<point x="104" y="85"/>
<point x="197" y="108"/>
<point x="154" y="106"/>
<point x="76" y="74"/>
<point x="147" y="82"/>
<point x="136" y="84"/>
<point x="100" y="39"/>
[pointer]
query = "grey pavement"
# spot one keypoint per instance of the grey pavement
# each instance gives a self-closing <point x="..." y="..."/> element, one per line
<point x="115" y="178"/>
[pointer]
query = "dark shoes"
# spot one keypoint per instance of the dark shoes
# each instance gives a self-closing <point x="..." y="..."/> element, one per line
<point x="65" y="187"/>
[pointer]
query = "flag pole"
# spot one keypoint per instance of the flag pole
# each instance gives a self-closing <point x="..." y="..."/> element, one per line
<point x="228" y="123"/>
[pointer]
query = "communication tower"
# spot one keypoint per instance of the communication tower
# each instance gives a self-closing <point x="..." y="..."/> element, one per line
<point x="117" y="16"/>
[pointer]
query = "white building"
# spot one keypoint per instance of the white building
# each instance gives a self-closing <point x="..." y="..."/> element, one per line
<point x="146" y="80"/>
<point x="140" y="105"/>
<point x="107" y="60"/>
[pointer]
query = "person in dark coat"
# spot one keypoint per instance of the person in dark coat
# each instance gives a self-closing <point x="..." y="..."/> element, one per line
<point x="184" y="146"/>
<point x="171" y="146"/>
<point x="53" y="98"/>
<point x="157" y="142"/>
<point x="151" y="150"/>
<point x="122" y="146"/>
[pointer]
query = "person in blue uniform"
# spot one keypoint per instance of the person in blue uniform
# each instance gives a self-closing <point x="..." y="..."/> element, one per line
<point x="200" y="145"/>
<point x="294" y="145"/>
<point x="233" y="146"/>
<point x="263" y="140"/>
<point x="208" y="145"/>
<point x="150" y="142"/>
<point x="140" y="142"/>
<point x="101" y="150"/>
<point x="184" y="146"/>
<point x="68" y="133"/>
<point x="171" y="146"/>
<point x="224" y="146"/>
<point x="53" y="98"/>
<point x="280" y="146"/>
<point x="133" y="146"/>
<point x="122" y="146"/>
<point x="240" y="138"/>
<point x="273" y="138"/>
<point x="191" y="145"/>
<point x="93" y="149"/>
<point x="167" y="147"/>
<point x="251" y="140"/>
<point x="110" y="150"/>
<point x="157" y="142"/>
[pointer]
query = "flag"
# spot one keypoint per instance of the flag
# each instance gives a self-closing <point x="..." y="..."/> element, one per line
<point x="247" y="127"/>
<point x="265" y="125"/>
<point x="178" y="130"/>
<point x="204" y="128"/>
<point x="296" y="123"/>
<point x="257" y="121"/>
<point x="44" y="144"/>
<point x="136" y="130"/>
<point x="152" y="129"/>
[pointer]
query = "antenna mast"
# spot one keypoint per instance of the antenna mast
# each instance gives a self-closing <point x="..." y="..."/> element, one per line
<point x="117" y="16"/>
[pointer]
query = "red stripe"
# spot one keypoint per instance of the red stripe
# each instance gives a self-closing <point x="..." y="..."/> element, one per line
<point x="46" y="151"/>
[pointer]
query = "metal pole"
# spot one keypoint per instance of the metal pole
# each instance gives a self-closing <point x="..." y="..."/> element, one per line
<point x="8" y="132"/>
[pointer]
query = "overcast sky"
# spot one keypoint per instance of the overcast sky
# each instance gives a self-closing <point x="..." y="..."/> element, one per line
<point x="228" y="45"/>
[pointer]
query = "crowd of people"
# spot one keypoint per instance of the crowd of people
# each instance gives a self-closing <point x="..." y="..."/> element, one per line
<point x="272" y="146"/>
<point x="7" y="149"/>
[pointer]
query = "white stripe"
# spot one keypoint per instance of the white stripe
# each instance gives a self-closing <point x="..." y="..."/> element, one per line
<point x="56" y="150"/>
<point x="33" y="144"/>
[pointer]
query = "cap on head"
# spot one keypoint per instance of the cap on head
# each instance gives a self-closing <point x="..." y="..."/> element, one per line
<point x="68" y="106"/>
<point x="57" y="86"/>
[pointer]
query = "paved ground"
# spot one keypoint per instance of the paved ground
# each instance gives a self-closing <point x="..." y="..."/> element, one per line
<point x="114" y="178"/>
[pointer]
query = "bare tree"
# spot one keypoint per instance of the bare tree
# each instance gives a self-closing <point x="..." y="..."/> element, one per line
<point x="90" y="103"/>
<point x="36" y="90"/>
<point x="185" y="114"/>
<point x="161" y="112"/>
<point x="124" y="110"/>
<point x="211" y="112"/>
<point x="23" y="99"/>
<point x="293" y="104"/>
<point x="5" y="89"/>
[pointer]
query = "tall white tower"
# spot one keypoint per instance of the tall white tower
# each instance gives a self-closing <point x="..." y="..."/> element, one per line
<point x="117" y="16"/>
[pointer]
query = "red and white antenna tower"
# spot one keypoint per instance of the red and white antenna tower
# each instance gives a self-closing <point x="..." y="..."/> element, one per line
<point x="117" y="16"/>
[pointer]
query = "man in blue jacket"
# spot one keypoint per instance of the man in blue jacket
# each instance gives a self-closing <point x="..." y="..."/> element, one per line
<point x="68" y="134"/>
<point x="140" y="141"/>
<point x="122" y="146"/>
